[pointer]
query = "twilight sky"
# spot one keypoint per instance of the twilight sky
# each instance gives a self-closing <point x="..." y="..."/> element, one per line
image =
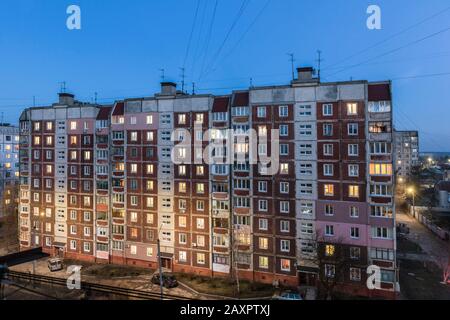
<point x="123" y="44"/>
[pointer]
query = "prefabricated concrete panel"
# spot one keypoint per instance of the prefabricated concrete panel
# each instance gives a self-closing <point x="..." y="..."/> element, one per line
<point x="327" y="93"/>
<point x="149" y="106"/>
<point x="352" y="92"/>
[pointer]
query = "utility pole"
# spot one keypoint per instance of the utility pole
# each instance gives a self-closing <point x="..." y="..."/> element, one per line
<point x="292" y="60"/>
<point x="160" y="270"/>
<point x="319" y="62"/>
<point x="183" y="76"/>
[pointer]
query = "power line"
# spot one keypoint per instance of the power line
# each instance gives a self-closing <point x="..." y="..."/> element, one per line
<point x="389" y="38"/>
<point x="191" y="34"/>
<point x="247" y="30"/>
<point x="393" y="50"/>
<point x="197" y="45"/>
<point x="233" y="25"/>
<point x="208" y="38"/>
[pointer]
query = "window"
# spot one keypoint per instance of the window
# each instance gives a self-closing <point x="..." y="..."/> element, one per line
<point x="327" y="110"/>
<point x="263" y="224"/>
<point x="382" y="254"/>
<point x="263" y="205"/>
<point x="284" y="226"/>
<point x="73" y="125"/>
<point x="381" y="169"/>
<point x="353" y="170"/>
<point x="329" y="230"/>
<point x="381" y="233"/>
<point x="328" y="190"/>
<point x="284" y="187"/>
<point x="328" y="170"/>
<point x="328" y="130"/>
<point x="181" y="119"/>
<point x="261" y="112"/>
<point x="305" y="110"/>
<point x="330" y="250"/>
<point x="284" y="206"/>
<point x="329" y="210"/>
<point x="284" y="168"/>
<point x="355" y="253"/>
<point x="285" y="265"/>
<point x="285" y="245"/>
<point x="284" y="149"/>
<point x="352" y="109"/>
<point x="328" y="150"/>
<point x="352" y="129"/>
<point x="380" y="148"/>
<point x="381" y="211"/>
<point x="284" y="130"/>
<point x="283" y="111"/>
<point x="263" y="262"/>
<point x="149" y="119"/>
<point x="330" y="270"/>
<point x="354" y="233"/>
<point x="263" y="243"/>
<point x="380" y="127"/>
<point x="379" y="106"/>
<point x="201" y="258"/>
<point x="353" y="191"/>
<point x="200" y="223"/>
<point x="354" y="212"/>
<point x="353" y="150"/>
<point x="355" y="274"/>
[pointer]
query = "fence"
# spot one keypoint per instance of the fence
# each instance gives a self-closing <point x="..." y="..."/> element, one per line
<point x="418" y="214"/>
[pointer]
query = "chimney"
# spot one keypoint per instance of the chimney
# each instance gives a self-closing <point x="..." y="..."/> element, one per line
<point x="305" y="73"/>
<point x="168" y="88"/>
<point x="66" y="99"/>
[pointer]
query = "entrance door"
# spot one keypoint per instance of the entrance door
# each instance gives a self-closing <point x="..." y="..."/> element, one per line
<point x="166" y="263"/>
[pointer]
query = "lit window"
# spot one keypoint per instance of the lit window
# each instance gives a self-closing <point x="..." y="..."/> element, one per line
<point x="330" y="250"/>
<point x="353" y="191"/>
<point x="352" y="109"/>
<point x="73" y="125"/>
<point x="329" y="190"/>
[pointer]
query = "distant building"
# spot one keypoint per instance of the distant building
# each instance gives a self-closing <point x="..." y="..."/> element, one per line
<point x="407" y="153"/>
<point x="9" y="166"/>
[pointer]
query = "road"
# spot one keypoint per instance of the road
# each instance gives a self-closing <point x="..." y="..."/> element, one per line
<point x="437" y="249"/>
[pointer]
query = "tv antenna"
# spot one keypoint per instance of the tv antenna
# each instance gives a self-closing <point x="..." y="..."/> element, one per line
<point x="292" y="60"/>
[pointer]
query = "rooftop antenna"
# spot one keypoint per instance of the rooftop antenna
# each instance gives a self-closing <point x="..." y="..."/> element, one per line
<point x="2" y="119"/>
<point x="163" y="76"/>
<point x="34" y="101"/>
<point x="319" y="62"/>
<point x="63" y="87"/>
<point x="193" y="88"/>
<point x="95" y="97"/>
<point x="183" y="76"/>
<point x="292" y="60"/>
<point x="251" y="82"/>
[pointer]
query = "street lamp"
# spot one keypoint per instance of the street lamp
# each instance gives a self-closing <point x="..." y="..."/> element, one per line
<point x="413" y="193"/>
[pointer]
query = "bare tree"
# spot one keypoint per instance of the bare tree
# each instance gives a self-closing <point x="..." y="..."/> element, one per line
<point x="331" y="260"/>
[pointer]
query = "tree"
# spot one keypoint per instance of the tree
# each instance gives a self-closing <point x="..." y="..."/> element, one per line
<point x="331" y="260"/>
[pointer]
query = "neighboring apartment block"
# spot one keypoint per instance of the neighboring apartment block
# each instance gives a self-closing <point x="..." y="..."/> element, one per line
<point x="9" y="168"/>
<point x="104" y="183"/>
<point x="407" y="153"/>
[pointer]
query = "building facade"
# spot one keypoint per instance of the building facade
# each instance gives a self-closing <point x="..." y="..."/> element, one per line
<point x="9" y="168"/>
<point x="406" y="152"/>
<point x="266" y="184"/>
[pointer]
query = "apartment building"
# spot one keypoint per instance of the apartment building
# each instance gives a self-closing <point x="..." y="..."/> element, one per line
<point x="302" y="181"/>
<point x="406" y="152"/>
<point x="9" y="168"/>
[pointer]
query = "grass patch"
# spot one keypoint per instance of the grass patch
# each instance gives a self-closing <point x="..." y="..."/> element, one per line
<point x="225" y="286"/>
<point x="109" y="271"/>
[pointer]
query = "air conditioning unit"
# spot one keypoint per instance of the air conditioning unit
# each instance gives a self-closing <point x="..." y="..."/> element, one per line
<point x="194" y="245"/>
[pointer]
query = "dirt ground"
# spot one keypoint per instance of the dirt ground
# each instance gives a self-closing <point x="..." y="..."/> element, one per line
<point x="127" y="277"/>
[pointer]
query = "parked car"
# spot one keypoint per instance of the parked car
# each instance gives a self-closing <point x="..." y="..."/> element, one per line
<point x="288" y="295"/>
<point x="403" y="229"/>
<point x="55" y="264"/>
<point x="169" y="280"/>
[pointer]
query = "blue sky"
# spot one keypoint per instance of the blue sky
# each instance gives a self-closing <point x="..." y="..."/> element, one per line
<point x="123" y="44"/>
